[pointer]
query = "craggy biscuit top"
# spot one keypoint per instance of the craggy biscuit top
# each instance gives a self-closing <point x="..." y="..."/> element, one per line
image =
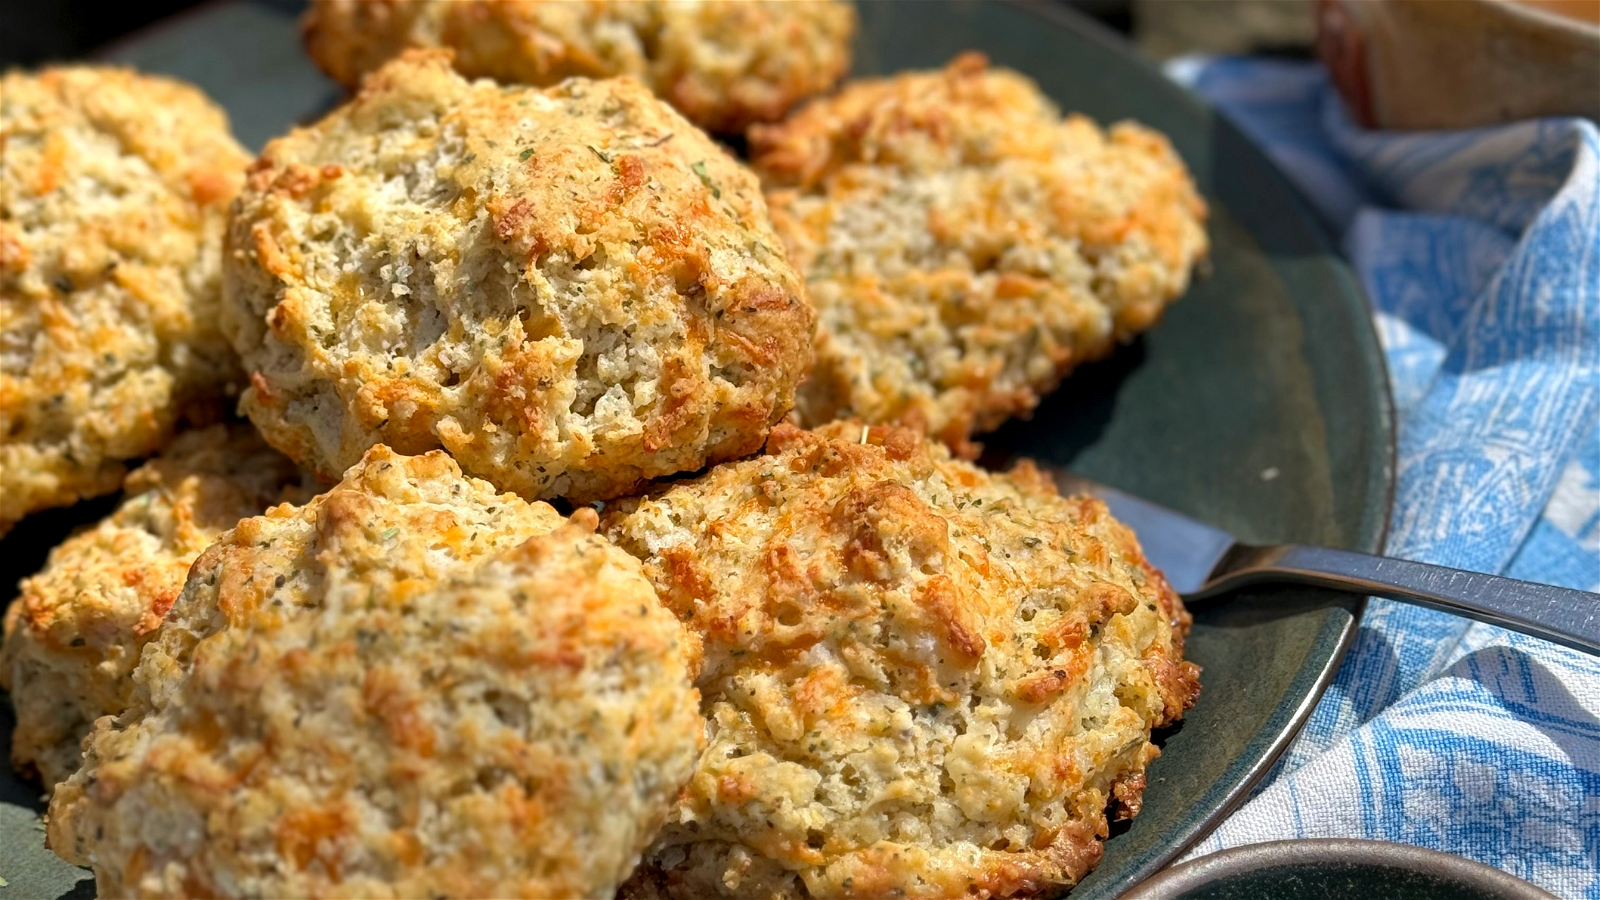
<point x="965" y="246"/>
<point x="114" y="188"/>
<point x="723" y="64"/>
<point x="570" y="290"/>
<point x="923" y="680"/>
<point x="74" y="633"/>
<point x="412" y="686"/>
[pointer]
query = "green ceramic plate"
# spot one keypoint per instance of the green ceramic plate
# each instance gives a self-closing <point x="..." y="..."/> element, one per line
<point x="1259" y="404"/>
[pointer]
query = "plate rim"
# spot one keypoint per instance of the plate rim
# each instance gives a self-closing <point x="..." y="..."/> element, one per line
<point x="1082" y="26"/>
<point x="1176" y="882"/>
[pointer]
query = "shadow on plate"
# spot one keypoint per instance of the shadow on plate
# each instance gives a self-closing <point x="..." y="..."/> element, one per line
<point x="1071" y="418"/>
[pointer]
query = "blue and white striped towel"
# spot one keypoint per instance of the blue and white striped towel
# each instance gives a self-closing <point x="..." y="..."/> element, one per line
<point x="1480" y="251"/>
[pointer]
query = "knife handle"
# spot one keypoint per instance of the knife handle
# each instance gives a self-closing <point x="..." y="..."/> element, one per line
<point x="1559" y="615"/>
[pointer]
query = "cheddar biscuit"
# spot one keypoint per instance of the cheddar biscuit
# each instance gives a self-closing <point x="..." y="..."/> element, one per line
<point x="965" y="245"/>
<point x="722" y="64"/>
<point x="114" y="190"/>
<point x="572" y="290"/>
<point x="74" y="633"/>
<point x="411" y="686"/>
<point x="923" y="680"/>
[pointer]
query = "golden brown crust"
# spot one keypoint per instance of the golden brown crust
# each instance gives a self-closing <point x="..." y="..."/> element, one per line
<point x="412" y="686"/>
<point x="924" y="680"/>
<point x="723" y="65"/>
<point x="966" y="246"/>
<point x="114" y="187"/>
<point x="74" y="633"/>
<point x="571" y="290"/>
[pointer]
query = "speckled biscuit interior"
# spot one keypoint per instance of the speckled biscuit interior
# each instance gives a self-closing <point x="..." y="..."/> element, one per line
<point x="571" y="290"/>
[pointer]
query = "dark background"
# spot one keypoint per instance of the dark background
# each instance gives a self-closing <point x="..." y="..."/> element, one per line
<point x="37" y="32"/>
<point x="40" y="31"/>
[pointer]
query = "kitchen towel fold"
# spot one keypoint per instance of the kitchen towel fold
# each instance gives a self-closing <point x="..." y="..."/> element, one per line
<point x="1480" y="252"/>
